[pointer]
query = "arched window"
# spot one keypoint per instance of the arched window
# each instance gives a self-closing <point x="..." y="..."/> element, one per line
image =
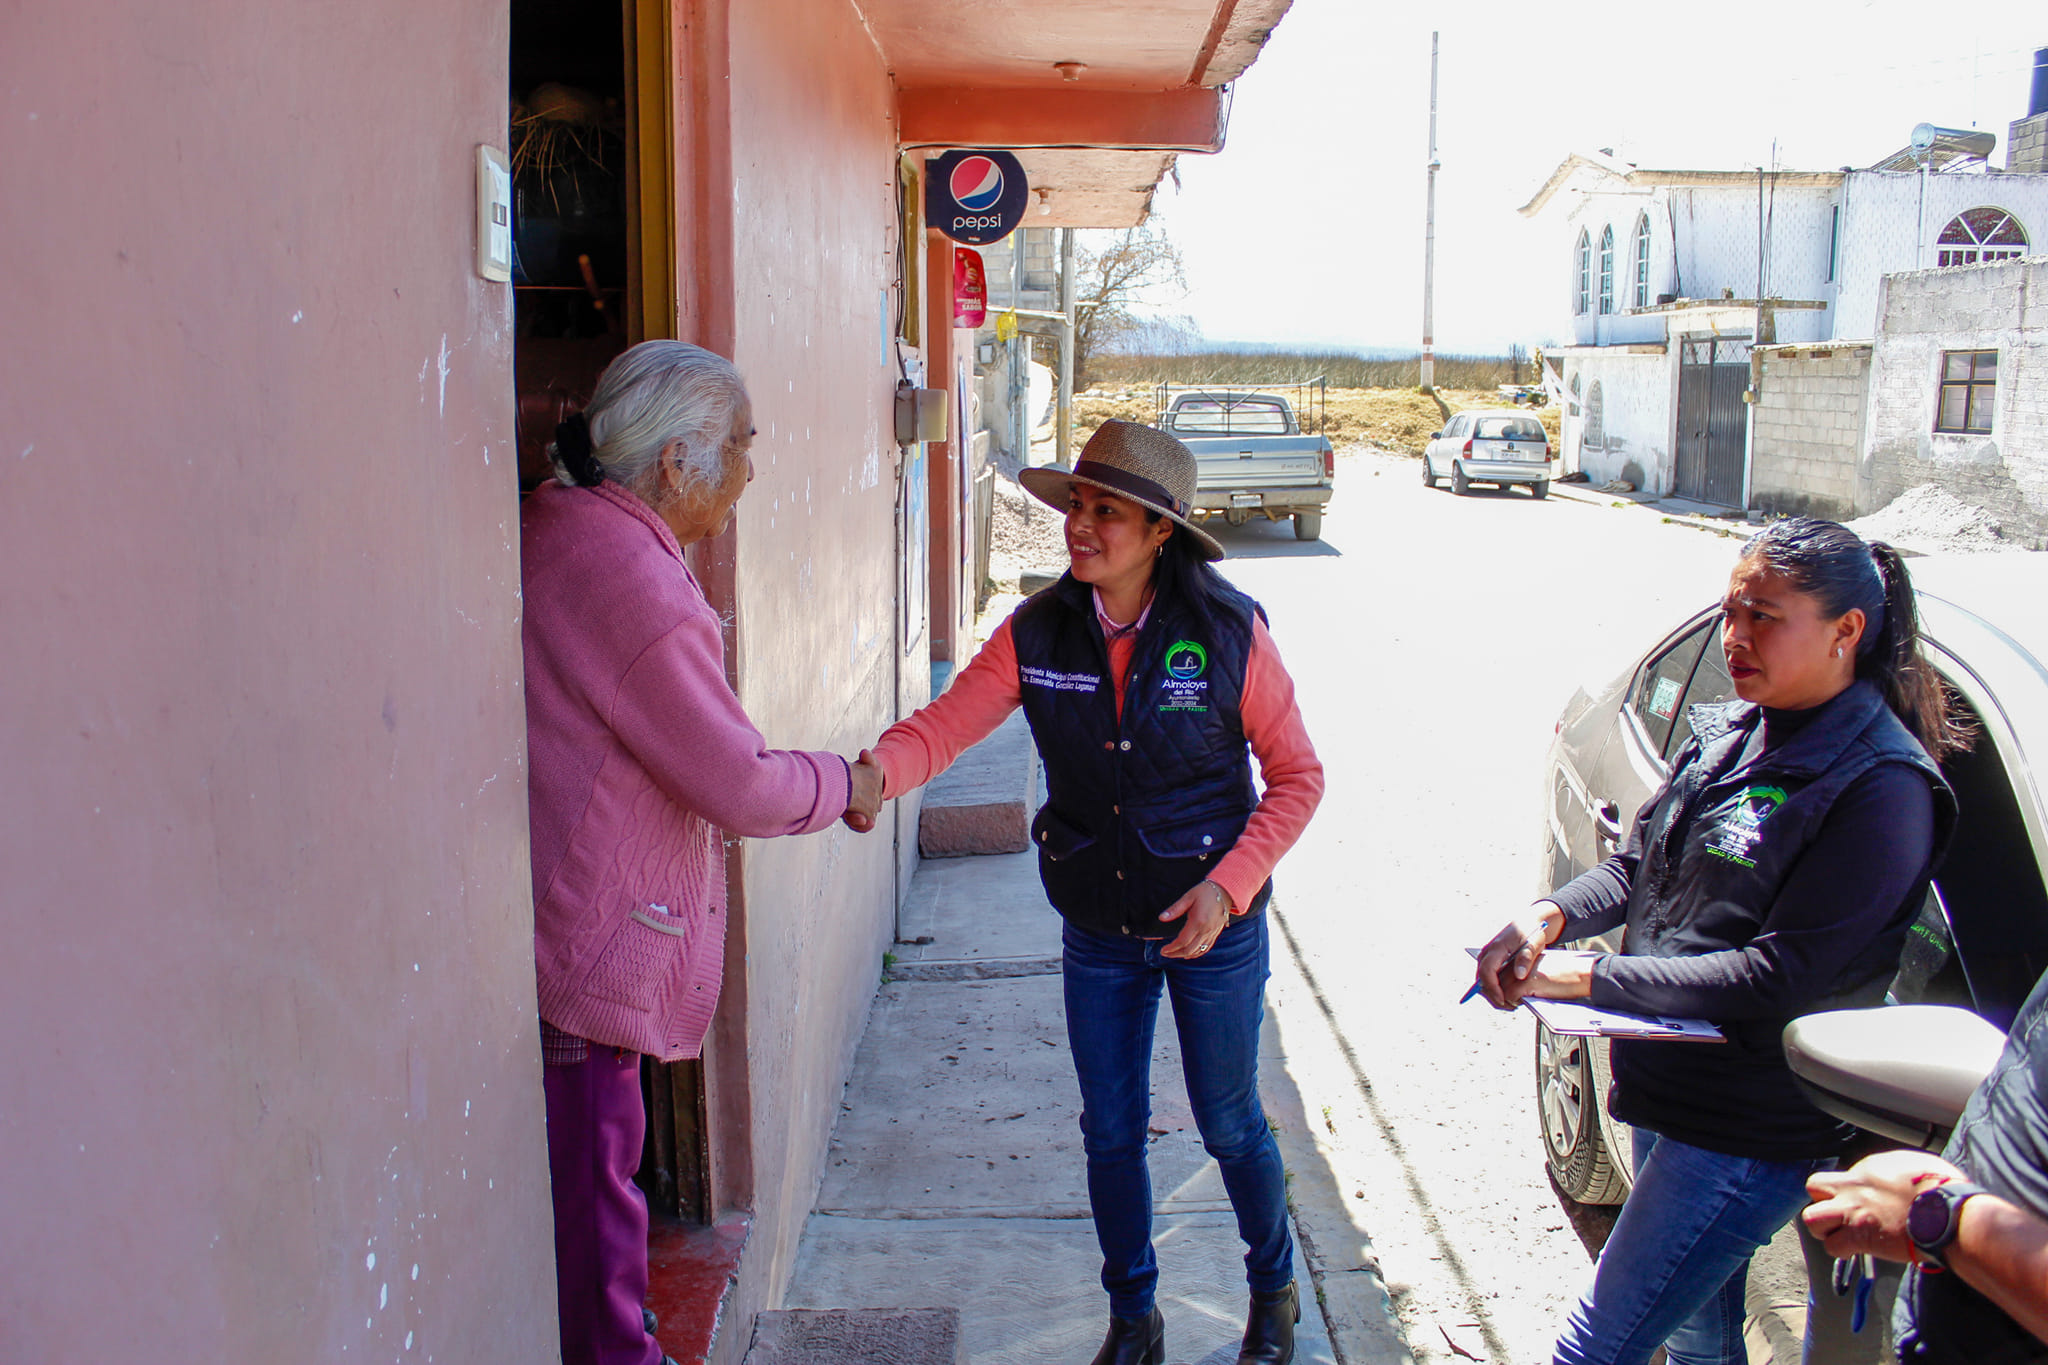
<point x="1981" y="234"/>
<point x="1607" y="269"/>
<point x="1583" y="257"/>
<point x="1642" y="292"/>
<point x="1594" y="436"/>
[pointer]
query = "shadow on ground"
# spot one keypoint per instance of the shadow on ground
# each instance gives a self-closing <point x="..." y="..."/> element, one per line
<point x="1267" y="540"/>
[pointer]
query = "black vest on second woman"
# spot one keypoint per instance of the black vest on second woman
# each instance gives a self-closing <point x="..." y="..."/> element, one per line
<point x="1716" y="846"/>
<point x="1140" y="807"/>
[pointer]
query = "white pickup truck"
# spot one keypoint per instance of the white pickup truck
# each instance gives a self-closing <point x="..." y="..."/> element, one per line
<point x="1252" y="456"/>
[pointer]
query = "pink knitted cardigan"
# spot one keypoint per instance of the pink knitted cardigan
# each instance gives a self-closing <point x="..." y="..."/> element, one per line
<point x="639" y="754"/>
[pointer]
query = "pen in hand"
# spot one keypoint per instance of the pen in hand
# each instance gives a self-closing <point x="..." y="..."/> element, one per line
<point x="1470" y="991"/>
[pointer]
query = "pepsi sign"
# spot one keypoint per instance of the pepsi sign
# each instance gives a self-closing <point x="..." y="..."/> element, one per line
<point x="975" y="197"/>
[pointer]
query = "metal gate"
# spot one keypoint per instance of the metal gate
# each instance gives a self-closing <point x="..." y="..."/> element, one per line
<point x="1713" y="374"/>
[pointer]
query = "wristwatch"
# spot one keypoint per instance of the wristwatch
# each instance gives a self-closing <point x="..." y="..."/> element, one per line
<point x="1934" y="1216"/>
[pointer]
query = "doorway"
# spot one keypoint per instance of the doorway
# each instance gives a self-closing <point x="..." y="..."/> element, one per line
<point x="591" y="276"/>
<point x="1713" y="374"/>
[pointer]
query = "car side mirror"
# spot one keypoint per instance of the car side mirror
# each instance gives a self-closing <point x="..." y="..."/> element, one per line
<point x="1902" y="1071"/>
<point x="1435" y="435"/>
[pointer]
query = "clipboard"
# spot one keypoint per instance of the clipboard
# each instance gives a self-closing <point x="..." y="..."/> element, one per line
<point x="1570" y="1018"/>
<point x="1574" y="1020"/>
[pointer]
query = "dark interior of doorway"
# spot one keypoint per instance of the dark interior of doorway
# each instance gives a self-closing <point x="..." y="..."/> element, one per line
<point x="571" y="233"/>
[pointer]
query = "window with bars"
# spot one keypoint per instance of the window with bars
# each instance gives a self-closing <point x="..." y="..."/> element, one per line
<point x="1607" y="269"/>
<point x="1969" y="381"/>
<point x="1977" y="235"/>
<point x="1642" y="292"/>
<point x="1583" y="256"/>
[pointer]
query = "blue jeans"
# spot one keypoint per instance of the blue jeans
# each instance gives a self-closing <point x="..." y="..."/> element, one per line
<point x="1112" y="995"/>
<point x="1675" y="1267"/>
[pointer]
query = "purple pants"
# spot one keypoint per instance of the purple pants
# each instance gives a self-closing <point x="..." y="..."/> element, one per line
<point x="595" y="1129"/>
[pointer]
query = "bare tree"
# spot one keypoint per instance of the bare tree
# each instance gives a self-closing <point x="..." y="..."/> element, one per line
<point x="1129" y="268"/>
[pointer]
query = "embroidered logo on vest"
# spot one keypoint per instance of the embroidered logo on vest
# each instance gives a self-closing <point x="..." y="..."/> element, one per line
<point x="1184" y="688"/>
<point x="1744" y="826"/>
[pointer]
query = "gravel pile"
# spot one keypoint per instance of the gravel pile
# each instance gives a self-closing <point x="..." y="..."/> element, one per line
<point x="1025" y="533"/>
<point x="1933" y="521"/>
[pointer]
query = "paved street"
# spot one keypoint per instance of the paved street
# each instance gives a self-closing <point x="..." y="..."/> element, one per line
<point x="1434" y="640"/>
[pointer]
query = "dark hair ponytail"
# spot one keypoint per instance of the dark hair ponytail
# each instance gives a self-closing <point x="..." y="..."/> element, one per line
<point x="1842" y="572"/>
<point x="1910" y="685"/>
<point x="1184" y="574"/>
<point x="573" y="454"/>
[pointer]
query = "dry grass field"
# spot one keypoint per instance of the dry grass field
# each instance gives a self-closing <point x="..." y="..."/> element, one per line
<point x="1396" y="419"/>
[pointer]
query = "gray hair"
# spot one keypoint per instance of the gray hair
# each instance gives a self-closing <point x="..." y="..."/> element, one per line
<point x="656" y="393"/>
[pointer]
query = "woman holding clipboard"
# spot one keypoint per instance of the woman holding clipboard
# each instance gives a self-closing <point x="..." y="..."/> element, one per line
<point x="1774" y="874"/>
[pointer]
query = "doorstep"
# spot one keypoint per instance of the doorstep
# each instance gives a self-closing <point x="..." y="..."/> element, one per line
<point x="690" y="1270"/>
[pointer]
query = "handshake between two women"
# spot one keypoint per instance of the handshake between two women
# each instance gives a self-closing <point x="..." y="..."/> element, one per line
<point x="864" y="798"/>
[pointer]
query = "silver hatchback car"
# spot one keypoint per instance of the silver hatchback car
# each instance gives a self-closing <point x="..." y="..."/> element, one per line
<point x="1489" y="445"/>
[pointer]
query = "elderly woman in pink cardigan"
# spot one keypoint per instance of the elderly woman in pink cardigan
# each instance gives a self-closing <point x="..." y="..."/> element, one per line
<point x="640" y="754"/>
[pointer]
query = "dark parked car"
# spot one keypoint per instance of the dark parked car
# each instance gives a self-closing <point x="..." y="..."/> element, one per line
<point x="1982" y="939"/>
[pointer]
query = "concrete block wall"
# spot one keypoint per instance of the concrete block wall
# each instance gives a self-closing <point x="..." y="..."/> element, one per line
<point x="1808" y="431"/>
<point x="2002" y="307"/>
<point x="2026" y="145"/>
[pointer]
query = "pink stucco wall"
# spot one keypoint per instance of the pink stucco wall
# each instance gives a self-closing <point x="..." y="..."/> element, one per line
<point x="819" y="636"/>
<point x="272" y="1089"/>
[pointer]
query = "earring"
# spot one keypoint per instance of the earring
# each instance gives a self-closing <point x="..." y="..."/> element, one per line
<point x="1159" y="550"/>
<point x="1838" y="651"/>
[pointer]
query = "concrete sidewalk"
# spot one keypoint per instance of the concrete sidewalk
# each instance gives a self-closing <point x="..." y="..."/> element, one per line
<point x="956" y="1177"/>
<point x="1677" y="511"/>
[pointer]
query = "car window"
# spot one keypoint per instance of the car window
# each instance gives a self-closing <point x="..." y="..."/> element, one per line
<point x="1219" y="417"/>
<point x="1455" y="429"/>
<point x="1710" y="683"/>
<point x="1654" y="699"/>
<point x="1510" y="429"/>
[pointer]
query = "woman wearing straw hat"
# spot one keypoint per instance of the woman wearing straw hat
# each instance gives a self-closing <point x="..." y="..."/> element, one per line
<point x="1149" y="682"/>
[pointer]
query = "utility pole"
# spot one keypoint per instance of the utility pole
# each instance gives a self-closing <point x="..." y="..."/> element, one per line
<point x="1064" y="423"/>
<point x="1020" y="359"/>
<point x="1429" y="241"/>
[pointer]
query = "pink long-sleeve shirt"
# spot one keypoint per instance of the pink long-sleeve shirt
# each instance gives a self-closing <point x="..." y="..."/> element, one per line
<point x="915" y="750"/>
<point x="639" y="755"/>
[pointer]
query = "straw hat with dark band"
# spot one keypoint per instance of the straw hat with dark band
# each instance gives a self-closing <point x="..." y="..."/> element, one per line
<point x="1133" y="461"/>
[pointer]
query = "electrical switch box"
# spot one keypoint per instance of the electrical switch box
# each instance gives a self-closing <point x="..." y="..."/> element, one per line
<point x="493" y="215"/>
<point x="920" y="414"/>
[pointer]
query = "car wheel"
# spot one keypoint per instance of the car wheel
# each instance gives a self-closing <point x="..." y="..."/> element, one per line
<point x="1428" y="474"/>
<point x="1459" y="483"/>
<point x="1540" y="488"/>
<point x="1568" y="1099"/>
<point x="1308" y="525"/>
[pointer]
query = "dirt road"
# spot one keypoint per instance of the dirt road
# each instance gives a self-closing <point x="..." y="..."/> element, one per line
<point x="1434" y="640"/>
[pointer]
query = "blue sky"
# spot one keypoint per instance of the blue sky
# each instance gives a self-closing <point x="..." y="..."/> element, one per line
<point x="1308" y="227"/>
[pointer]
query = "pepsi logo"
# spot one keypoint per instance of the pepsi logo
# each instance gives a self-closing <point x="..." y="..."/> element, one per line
<point x="976" y="183"/>
<point x="975" y="197"/>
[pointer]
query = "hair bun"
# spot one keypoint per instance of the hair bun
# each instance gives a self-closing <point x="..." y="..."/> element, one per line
<point x="572" y="449"/>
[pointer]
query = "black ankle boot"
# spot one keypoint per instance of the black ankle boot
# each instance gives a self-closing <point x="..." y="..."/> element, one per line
<point x="1134" y="1341"/>
<point x="1269" y="1327"/>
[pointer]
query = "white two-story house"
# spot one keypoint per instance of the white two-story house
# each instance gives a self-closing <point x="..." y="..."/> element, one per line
<point x="1672" y="276"/>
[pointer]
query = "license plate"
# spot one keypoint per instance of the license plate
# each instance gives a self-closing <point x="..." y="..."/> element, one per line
<point x="1247" y="500"/>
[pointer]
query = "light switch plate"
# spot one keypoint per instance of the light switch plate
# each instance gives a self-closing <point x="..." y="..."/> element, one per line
<point x="493" y="214"/>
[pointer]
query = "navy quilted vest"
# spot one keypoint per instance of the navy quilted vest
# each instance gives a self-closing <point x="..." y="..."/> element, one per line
<point x="1140" y="807"/>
